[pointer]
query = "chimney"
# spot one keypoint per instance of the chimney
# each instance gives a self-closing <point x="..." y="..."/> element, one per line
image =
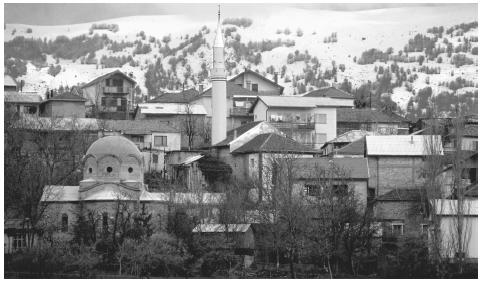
<point x="234" y="134"/>
<point x="200" y="88"/>
<point x="275" y="77"/>
<point x="412" y="139"/>
<point x="51" y="93"/>
<point x="22" y="83"/>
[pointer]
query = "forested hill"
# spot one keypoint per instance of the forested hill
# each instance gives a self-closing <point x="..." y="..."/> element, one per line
<point x="405" y="58"/>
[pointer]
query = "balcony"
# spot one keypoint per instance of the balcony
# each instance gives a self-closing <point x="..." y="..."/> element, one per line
<point x="117" y="89"/>
<point x="294" y="125"/>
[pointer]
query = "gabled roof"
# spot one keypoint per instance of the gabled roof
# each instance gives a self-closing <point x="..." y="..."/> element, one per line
<point x="9" y="81"/>
<point x="272" y="142"/>
<point x="233" y="89"/>
<point x="405" y="194"/>
<point x="402" y="145"/>
<point x="171" y="109"/>
<point x="472" y="190"/>
<point x="367" y="115"/>
<point x="100" y="78"/>
<point x="357" y="147"/>
<point x="221" y="228"/>
<point x="185" y="96"/>
<point x="301" y="102"/>
<point x="230" y="135"/>
<point x="248" y="71"/>
<point x="341" y="168"/>
<point x="66" y="97"/>
<point x="351" y="136"/>
<point x="329" y="92"/>
<point x="18" y="97"/>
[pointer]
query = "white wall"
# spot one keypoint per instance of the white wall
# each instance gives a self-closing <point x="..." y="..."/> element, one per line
<point x="467" y="143"/>
<point x="470" y="232"/>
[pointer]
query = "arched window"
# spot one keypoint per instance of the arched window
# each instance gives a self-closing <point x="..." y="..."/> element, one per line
<point x="105" y="224"/>
<point x="65" y="223"/>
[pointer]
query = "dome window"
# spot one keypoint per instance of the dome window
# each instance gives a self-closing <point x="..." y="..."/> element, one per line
<point x="130" y="169"/>
<point x="109" y="169"/>
<point x="90" y="170"/>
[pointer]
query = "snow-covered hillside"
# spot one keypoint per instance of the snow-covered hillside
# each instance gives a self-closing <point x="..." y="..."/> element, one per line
<point x="356" y="32"/>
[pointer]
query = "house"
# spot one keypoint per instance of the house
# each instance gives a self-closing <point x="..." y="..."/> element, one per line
<point x="309" y="120"/>
<point x="342" y="140"/>
<point x="255" y="82"/>
<point x="329" y="91"/>
<point x="186" y="118"/>
<point x="447" y="213"/>
<point x="239" y="101"/>
<point x="184" y="96"/>
<point x="183" y="168"/>
<point x="64" y="105"/>
<point x="110" y="96"/>
<point x="338" y="174"/>
<point x="22" y="103"/>
<point x="9" y="84"/>
<point x="237" y="237"/>
<point x="372" y="120"/>
<point x="19" y="234"/>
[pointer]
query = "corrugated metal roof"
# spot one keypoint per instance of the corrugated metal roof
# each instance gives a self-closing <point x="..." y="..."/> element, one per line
<point x="304" y="102"/>
<point x="60" y="193"/>
<point x="351" y="136"/>
<point x="221" y="228"/>
<point x="191" y="159"/>
<point x="402" y="145"/>
<point x="9" y="81"/>
<point x="230" y="135"/>
<point x="171" y="108"/>
<point x="449" y="207"/>
<point x="343" y="168"/>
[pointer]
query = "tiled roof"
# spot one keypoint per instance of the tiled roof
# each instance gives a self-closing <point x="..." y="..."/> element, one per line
<point x="230" y="135"/>
<point x="402" y="195"/>
<point x="302" y="102"/>
<point x="233" y="89"/>
<point x="258" y="75"/>
<point x="329" y="92"/>
<point x="67" y="97"/>
<point x="221" y="228"/>
<point x="18" y="97"/>
<point x="471" y="131"/>
<point x="137" y="126"/>
<point x="342" y="168"/>
<point x="355" y="148"/>
<point x="180" y="97"/>
<point x="273" y="143"/>
<point x="9" y="81"/>
<point x="401" y="145"/>
<point x="367" y="115"/>
<point x="105" y="76"/>
<point x="351" y="136"/>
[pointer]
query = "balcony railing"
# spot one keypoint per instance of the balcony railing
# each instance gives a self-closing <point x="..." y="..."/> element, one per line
<point x="116" y="89"/>
<point x="294" y="125"/>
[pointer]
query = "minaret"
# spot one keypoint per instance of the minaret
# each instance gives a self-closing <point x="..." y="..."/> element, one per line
<point x="218" y="89"/>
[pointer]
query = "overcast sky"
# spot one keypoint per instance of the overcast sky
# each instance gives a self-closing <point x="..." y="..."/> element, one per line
<point x="61" y="14"/>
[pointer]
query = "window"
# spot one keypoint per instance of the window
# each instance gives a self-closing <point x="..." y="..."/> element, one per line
<point x="137" y="138"/>
<point x="424" y="229"/>
<point x="160" y="141"/>
<point x="105" y="224"/>
<point x="90" y="170"/>
<point x="371" y="193"/>
<point x="119" y="102"/>
<point x="475" y="145"/>
<point x="321" y="118"/>
<point x="155" y="158"/>
<point x="109" y="169"/>
<point x="19" y="241"/>
<point x="108" y="82"/>
<point x="397" y="229"/>
<point x="252" y="162"/>
<point x="116" y="82"/>
<point x="130" y="170"/>
<point x="249" y="85"/>
<point x="255" y="87"/>
<point x="65" y="223"/>
<point x="340" y="190"/>
<point x="312" y="190"/>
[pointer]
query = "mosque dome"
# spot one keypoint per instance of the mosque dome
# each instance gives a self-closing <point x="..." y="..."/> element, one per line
<point x="113" y="159"/>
